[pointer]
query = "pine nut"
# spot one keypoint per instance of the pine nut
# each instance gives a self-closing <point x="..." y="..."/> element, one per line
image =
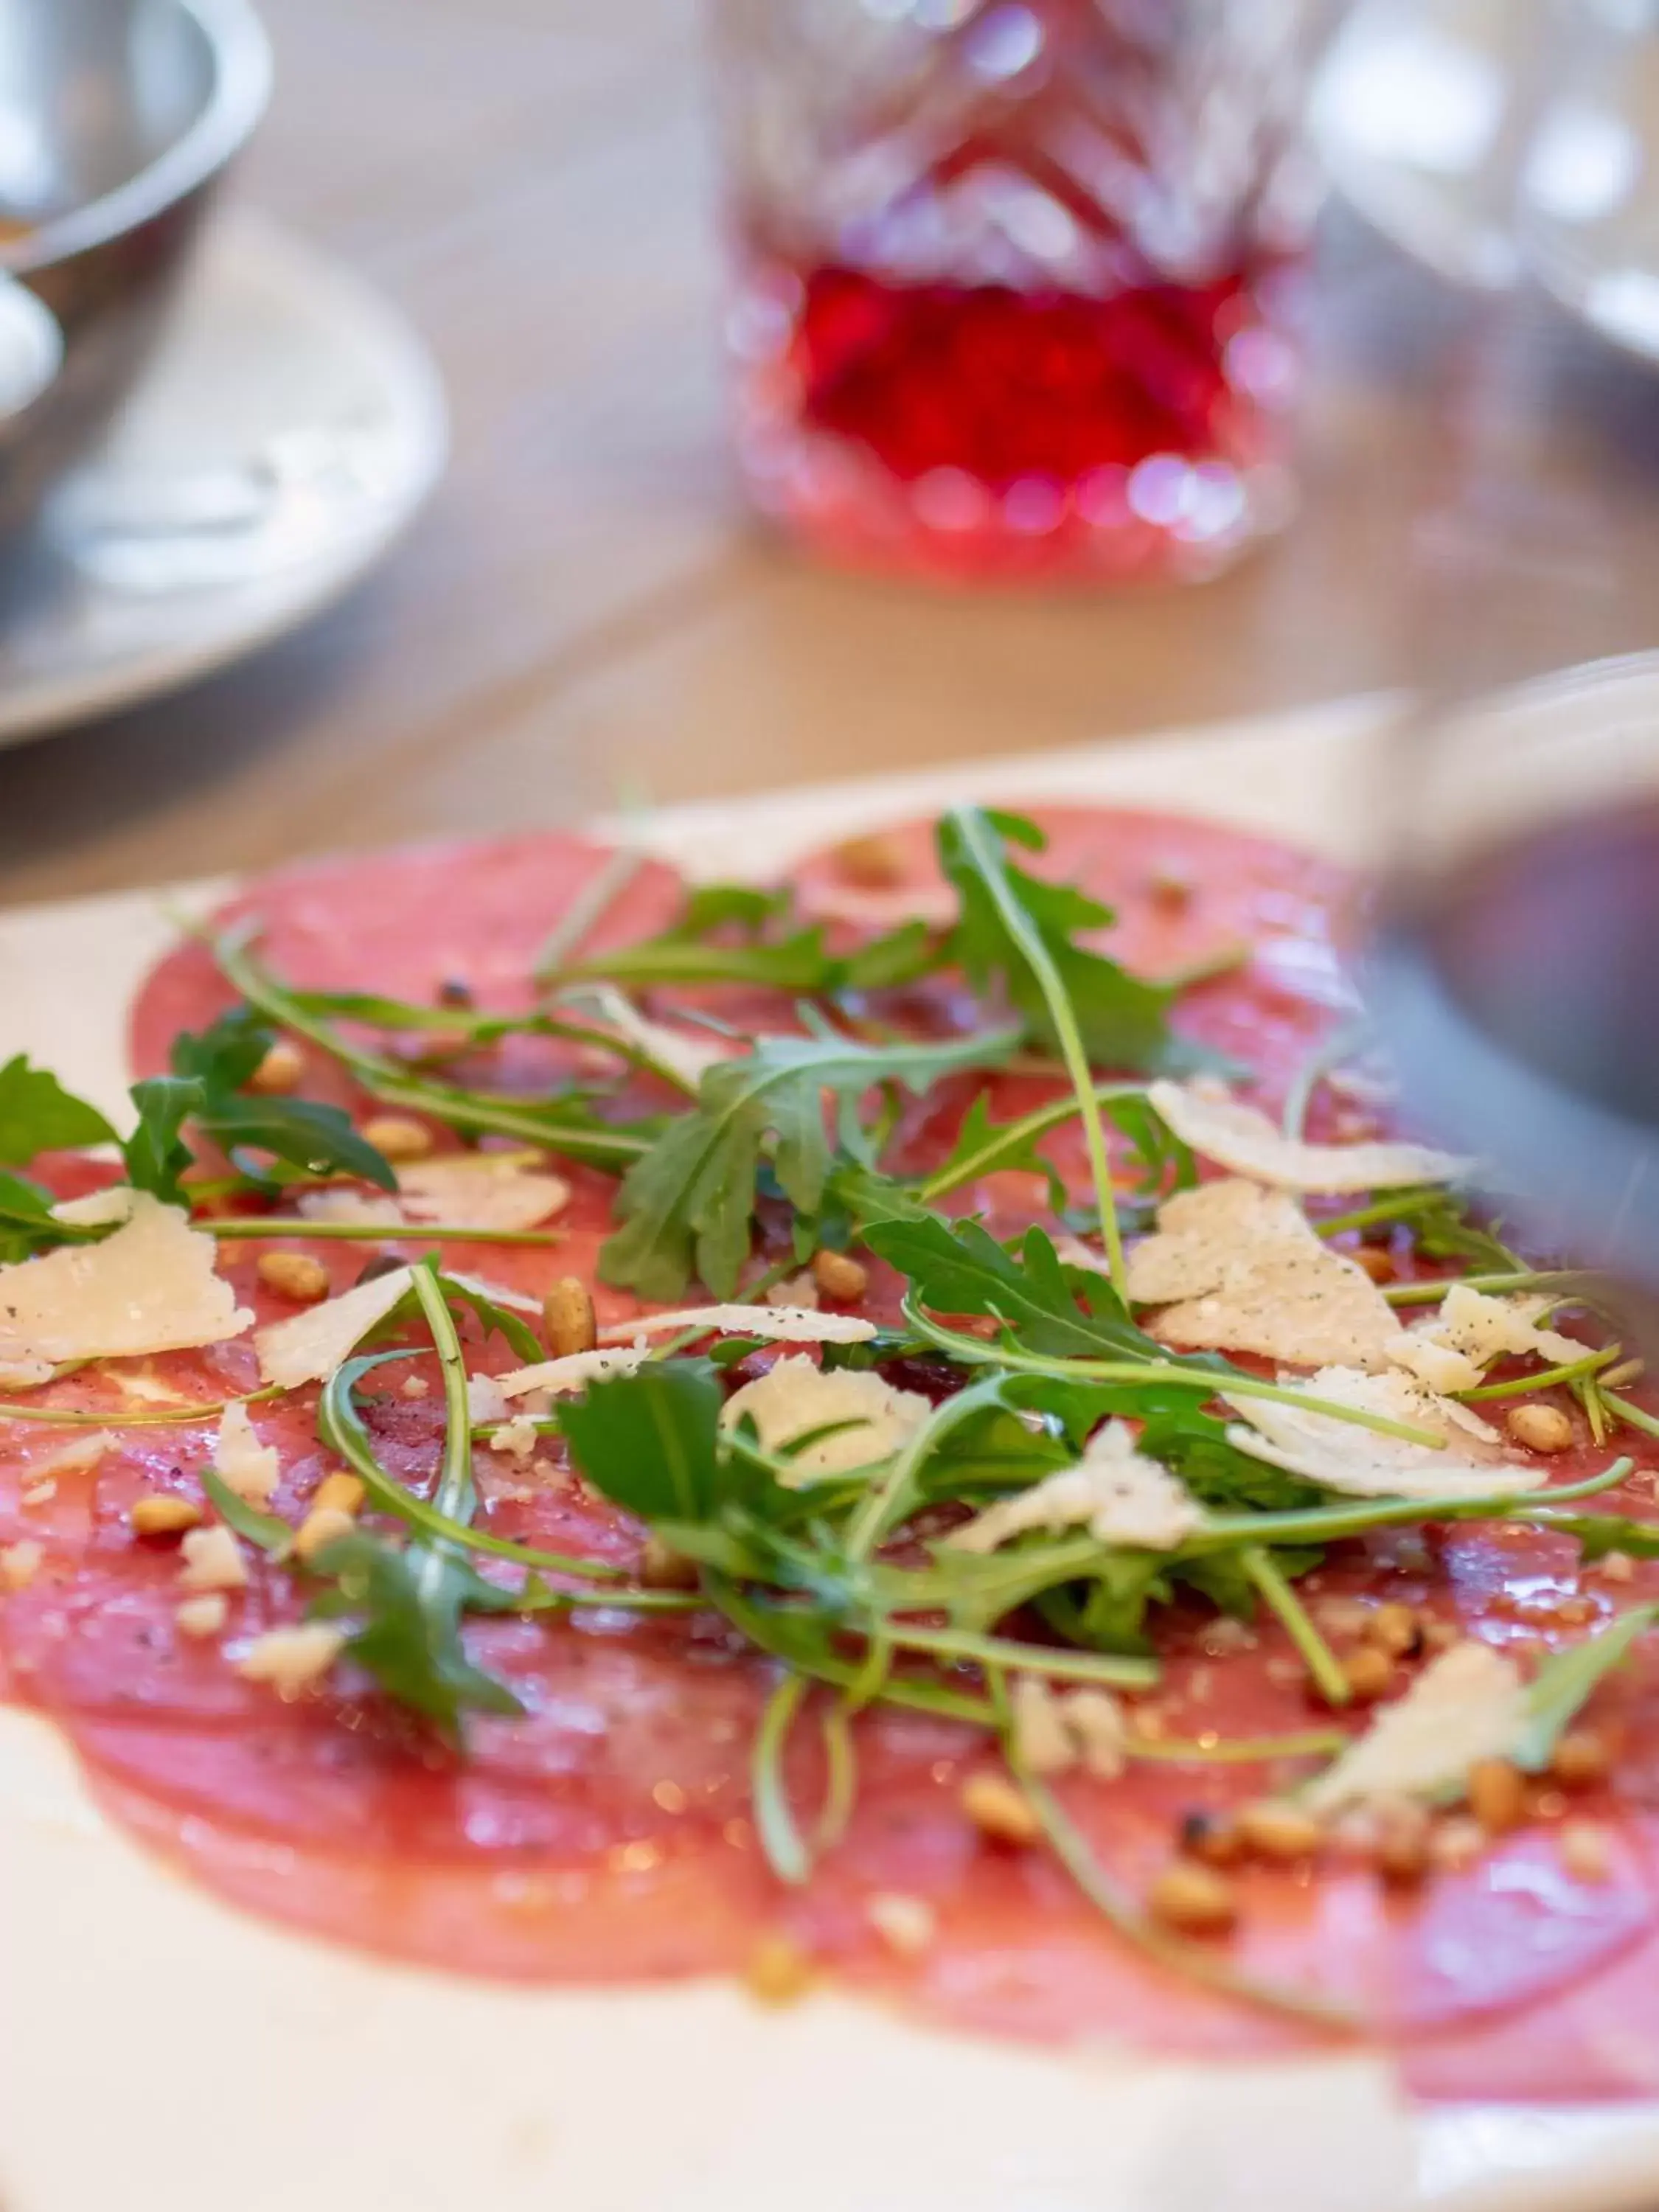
<point x="397" y="1137"/>
<point x="294" y="1275"/>
<point x="1374" y="1260"/>
<point x="1277" y="1830"/>
<point x="567" y="1318"/>
<point x="1401" y="1848"/>
<point x="1000" y="1810"/>
<point x="1193" y="1899"/>
<point x="165" y="1516"/>
<point x="1213" y="1837"/>
<point x="321" y="1526"/>
<point x="1497" y="1794"/>
<point x="779" y="1971"/>
<point x="661" y="1567"/>
<point x="1581" y="1758"/>
<point x="874" y="863"/>
<point x="281" y="1071"/>
<point x="1368" y="1673"/>
<point x="1615" y="1567"/>
<point x="19" y="1564"/>
<point x="1540" y="1428"/>
<point x="1396" y="1630"/>
<point x="840" y="1277"/>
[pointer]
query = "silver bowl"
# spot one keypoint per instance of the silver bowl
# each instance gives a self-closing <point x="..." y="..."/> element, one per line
<point x="117" y="119"/>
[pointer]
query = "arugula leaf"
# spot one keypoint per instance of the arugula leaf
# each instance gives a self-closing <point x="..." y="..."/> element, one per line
<point x="1564" y="1680"/>
<point x="407" y="1604"/>
<point x="267" y="1532"/>
<point x="225" y="1055"/>
<point x="649" y="1441"/>
<point x="157" y="1154"/>
<point x="1123" y="1020"/>
<point x="800" y="961"/>
<point x="37" y="1115"/>
<point x="1166" y="1164"/>
<point x="959" y="1267"/>
<point x="27" y="1221"/>
<point x="688" y="1205"/>
<point x="986" y="1147"/>
<point x="497" y="1319"/>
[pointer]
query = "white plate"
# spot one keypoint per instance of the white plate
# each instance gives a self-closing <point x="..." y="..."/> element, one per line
<point x="287" y="430"/>
<point x="1423" y="112"/>
<point x="159" y="2050"/>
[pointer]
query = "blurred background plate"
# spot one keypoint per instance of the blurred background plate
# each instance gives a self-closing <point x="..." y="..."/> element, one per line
<point x="1426" y="114"/>
<point x="288" y="431"/>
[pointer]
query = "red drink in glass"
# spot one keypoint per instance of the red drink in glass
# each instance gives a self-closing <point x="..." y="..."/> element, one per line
<point x="1015" y="280"/>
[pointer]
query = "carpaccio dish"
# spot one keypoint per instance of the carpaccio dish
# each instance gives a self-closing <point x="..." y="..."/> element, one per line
<point x="914" y="1427"/>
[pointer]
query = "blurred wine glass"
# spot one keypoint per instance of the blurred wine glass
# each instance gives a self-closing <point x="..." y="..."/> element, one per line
<point x="1517" y="971"/>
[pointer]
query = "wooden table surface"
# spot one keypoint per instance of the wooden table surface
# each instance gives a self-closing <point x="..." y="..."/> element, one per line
<point x="583" y="607"/>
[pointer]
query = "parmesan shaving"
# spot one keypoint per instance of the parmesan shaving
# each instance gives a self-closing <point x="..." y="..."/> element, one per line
<point x="1245" y="1141"/>
<point x="151" y="1286"/>
<point x="73" y="1458"/>
<point x="99" y="1209"/>
<point x="573" y="1372"/>
<point x="310" y="1347"/>
<point x="796" y="1397"/>
<point x="246" y="1467"/>
<point x="481" y="1190"/>
<point x="1486" y="1328"/>
<point x="777" y="1324"/>
<point x="1469" y="1705"/>
<point x="24" y="1374"/>
<point x="356" y="1209"/>
<point x="1118" y="1496"/>
<point x="1340" y="1456"/>
<point x="1236" y="1268"/>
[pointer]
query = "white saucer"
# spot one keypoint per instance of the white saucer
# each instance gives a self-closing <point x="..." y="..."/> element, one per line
<point x="1422" y="113"/>
<point x="287" y="430"/>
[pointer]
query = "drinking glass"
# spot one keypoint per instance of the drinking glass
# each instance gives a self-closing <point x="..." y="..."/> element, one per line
<point x="1015" y="281"/>
<point x="1518" y="967"/>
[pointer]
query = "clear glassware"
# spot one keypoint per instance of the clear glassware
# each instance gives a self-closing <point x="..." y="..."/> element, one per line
<point x="1518" y="967"/>
<point x="1015" y="281"/>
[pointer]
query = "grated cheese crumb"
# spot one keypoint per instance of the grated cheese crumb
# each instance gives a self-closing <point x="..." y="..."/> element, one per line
<point x="518" y="1437"/>
<point x="795" y="1397"/>
<point x="19" y="1564"/>
<point x="1341" y="1456"/>
<point x="151" y="1286"/>
<point x="1119" y="1497"/>
<point x="203" y="1616"/>
<point x="800" y="1290"/>
<point x="76" y="1456"/>
<point x="1052" y="1732"/>
<point x="292" y="1659"/>
<point x="485" y="1400"/>
<point x="213" y="1560"/>
<point x="40" y="1494"/>
<point x="1466" y="1705"/>
<point x="1236" y="1268"/>
<point x="1245" y="1142"/>
<point x="907" y="1925"/>
<point x="247" y="1468"/>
